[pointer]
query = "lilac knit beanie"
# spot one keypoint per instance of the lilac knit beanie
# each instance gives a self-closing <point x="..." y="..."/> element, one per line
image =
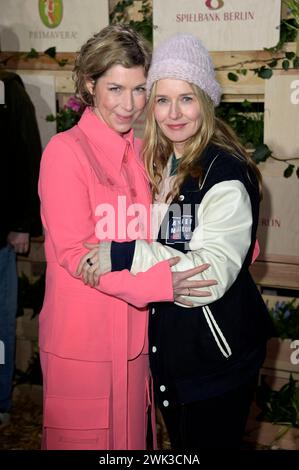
<point x="183" y="57"/>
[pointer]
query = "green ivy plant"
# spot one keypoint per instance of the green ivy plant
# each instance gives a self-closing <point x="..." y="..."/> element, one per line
<point x="289" y="32"/>
<point x="119" y="14"/>
<point x="279" y="407"/>
<point x="263" y="152"/>
<point x="285" y="316"/>
<point x="246" y="119"/>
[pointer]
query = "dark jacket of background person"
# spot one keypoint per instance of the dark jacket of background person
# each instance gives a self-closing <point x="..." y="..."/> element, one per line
<point x="19" y="160"/>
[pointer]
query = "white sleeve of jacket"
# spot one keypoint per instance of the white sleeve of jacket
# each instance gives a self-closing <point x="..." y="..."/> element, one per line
<point x="222" y="239"/>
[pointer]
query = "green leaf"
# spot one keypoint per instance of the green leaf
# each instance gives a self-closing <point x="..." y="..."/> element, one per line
<point x="51" y="52"/>
<point x="282" y="406"/>
<point x="273" y="63"/>
<point x="62" y="62"/>
<point x="290" y="55"/>
<point x="247" y="105"/>
<point x="297" y="171"/>
<point x="261" y="153"/>
<point x="265" y="73"/>
<point x="33" y="54"/>
<point x="232" y="76"/>
<point x="285" y="64"/>
<point x="288" y="171"/>
<point x="50" y="118"/>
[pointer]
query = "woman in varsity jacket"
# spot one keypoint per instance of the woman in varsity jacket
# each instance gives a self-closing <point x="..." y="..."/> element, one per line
<point x="205" y="352"/>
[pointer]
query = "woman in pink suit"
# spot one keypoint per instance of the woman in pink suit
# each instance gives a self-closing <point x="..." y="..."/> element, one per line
<point x="93" y="186"/>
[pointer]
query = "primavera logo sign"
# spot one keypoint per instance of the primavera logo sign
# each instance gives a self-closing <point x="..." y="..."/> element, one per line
<point x="50" y="12"/>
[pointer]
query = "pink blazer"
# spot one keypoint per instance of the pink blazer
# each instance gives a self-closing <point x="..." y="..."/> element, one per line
<point x="108" y="323"/>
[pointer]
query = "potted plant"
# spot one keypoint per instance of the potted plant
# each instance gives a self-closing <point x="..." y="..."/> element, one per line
<point x="68" y="116"/>
<point x="279" y="413"/>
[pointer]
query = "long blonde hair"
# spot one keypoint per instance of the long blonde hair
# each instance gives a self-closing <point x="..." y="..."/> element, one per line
<point x="157" y="147"/>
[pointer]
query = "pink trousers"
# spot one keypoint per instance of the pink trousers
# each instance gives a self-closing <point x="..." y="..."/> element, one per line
<point x="78" y="404"/>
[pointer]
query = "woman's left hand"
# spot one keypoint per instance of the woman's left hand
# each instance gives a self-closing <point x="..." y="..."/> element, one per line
<point x="89" y="265"/>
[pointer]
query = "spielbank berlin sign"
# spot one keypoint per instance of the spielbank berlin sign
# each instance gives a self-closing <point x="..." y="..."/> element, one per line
<point x="222" y="25"/>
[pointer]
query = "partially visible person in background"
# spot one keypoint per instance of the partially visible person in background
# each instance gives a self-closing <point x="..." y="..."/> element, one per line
<point x="19" y="206"/>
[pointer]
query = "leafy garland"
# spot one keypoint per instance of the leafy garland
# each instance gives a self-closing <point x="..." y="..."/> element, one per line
<point x="120" y="14"/>
<point x="289" y="32"/>
<point x="33" y="54"/>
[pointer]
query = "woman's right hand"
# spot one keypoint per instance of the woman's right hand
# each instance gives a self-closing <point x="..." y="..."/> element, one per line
<point x="183" y="286"/>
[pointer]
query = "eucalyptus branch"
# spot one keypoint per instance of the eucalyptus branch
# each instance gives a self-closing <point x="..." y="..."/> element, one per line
<point x="284" y="159"/>
<point x="253" y="61"/>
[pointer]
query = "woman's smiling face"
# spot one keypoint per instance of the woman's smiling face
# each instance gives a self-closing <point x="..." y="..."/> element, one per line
<point x="119" y="96"/>
<point x="177" y="111"/>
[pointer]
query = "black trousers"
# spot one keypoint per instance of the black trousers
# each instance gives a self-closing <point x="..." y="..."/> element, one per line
<point x="215" y="423"/>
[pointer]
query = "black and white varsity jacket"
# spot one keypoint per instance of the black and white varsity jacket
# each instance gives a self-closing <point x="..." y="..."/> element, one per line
<point x="215" y="346"/>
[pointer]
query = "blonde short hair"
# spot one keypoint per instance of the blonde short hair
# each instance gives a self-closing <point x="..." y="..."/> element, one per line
<point x="114" y="45"/>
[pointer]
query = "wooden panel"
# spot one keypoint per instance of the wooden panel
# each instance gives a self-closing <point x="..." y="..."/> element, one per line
<point x="277" y="275"/>
<point x="280" y="356"/>
<point x="282" y="115"/>
<point x="233" y="60"/>
<point x="278" y="230"/>
<point x="19" y="61"/>
<point x="230" y="98"/>
<point x="250" y="84"/>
